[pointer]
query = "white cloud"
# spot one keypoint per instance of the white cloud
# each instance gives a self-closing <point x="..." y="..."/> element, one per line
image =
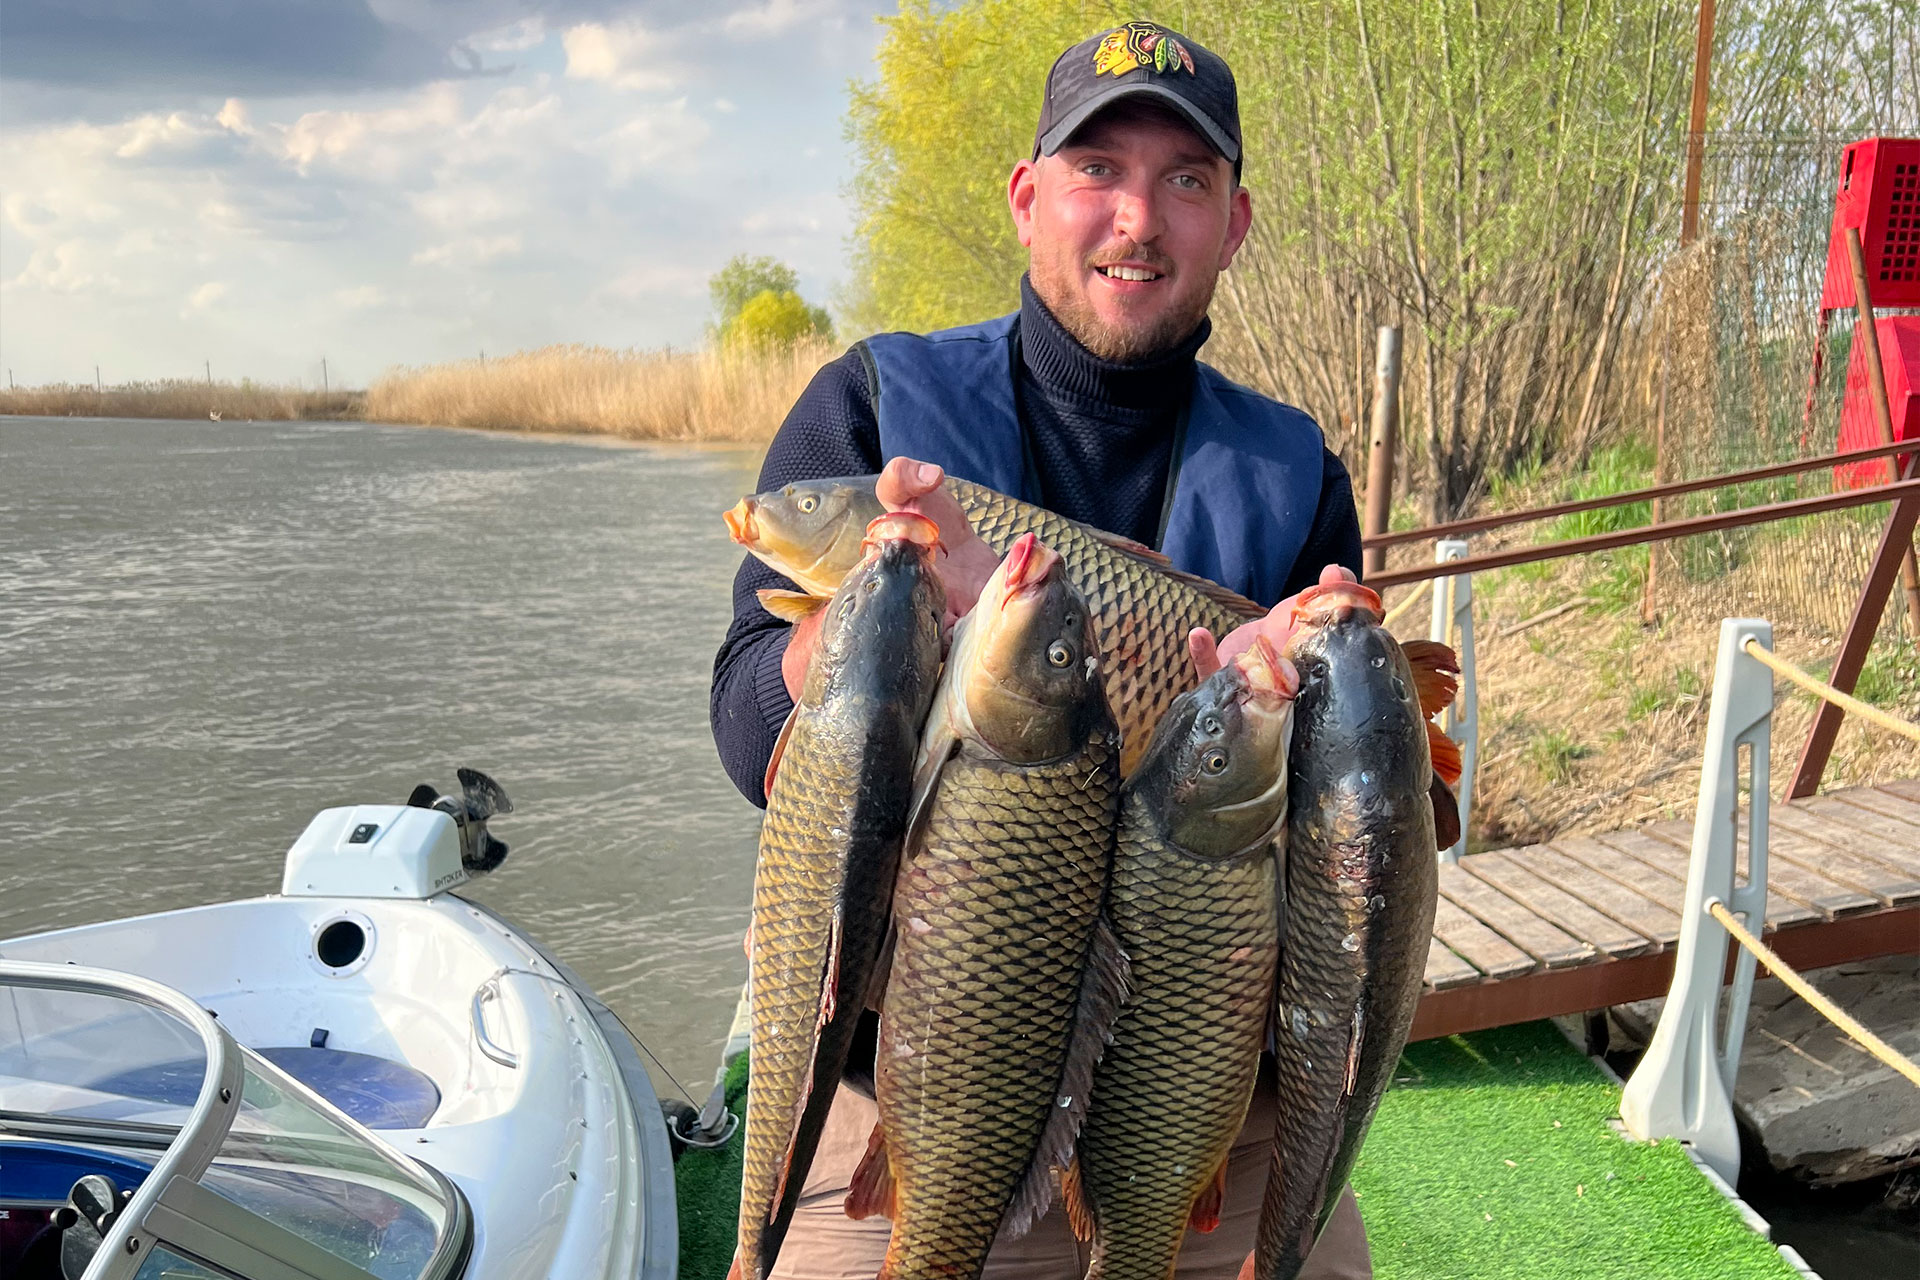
<point x="724" y="106"/>
<point x="625" y="55"/>
<point x="650" y="138"/>
<point x="775" y="17"/>
<point x="468" y="251"/>
<point x="514" y="37"/>
<point x="203" y="298"/>
<point x="233" y="117"/>
<point x="362" y="298"/>
<point x="378" y="143"/>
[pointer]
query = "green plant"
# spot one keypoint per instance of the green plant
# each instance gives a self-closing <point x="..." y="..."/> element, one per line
<point x="769" y="319"/>
<point x="1890" y="674"/>
<point x="1554" y="753"/>
<point x="1620" y="469"/>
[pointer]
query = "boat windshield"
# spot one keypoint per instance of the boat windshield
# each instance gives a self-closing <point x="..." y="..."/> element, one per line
<point x="225" y="1158"/>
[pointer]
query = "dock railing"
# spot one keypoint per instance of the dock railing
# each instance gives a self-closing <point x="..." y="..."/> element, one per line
<point x="1684" y="1085"/>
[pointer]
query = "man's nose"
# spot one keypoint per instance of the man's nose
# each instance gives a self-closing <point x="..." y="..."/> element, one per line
<point x="1136" y="213"/>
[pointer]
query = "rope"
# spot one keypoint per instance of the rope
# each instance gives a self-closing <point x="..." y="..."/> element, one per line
<point x="1400" y="610"/>
<point x="1879" y="1048"/>
<point x="1846" y="702"/>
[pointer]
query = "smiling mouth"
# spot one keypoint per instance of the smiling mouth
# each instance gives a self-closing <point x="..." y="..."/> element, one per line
<point x="1128" y="273"/>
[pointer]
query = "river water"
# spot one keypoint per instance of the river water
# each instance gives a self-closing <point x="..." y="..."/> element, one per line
<point x="210" y="631"/>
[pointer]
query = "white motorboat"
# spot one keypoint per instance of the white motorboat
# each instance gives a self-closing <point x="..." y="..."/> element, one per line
<point x="364" y="1077"/>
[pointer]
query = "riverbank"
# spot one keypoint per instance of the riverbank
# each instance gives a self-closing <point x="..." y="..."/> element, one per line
<point x="182" y="398"/>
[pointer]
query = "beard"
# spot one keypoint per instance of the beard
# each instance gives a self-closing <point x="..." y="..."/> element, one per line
<point x="1134" y="338"/>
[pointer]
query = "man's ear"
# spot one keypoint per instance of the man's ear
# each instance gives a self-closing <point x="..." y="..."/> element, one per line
<point x="1239" y="222"/>
<point x="1022" y="190"/>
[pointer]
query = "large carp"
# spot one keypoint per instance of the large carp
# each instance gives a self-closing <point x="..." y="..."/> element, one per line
<point x="1361" y="883"/>
<point x="1194" y="907"/>
<point x="829" y="853"/>
<point x="1142" y="606"/>
<point x="1004" y="978"/>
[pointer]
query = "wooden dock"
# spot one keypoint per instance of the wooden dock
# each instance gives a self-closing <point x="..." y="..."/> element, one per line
<point x="1591" y="921"/>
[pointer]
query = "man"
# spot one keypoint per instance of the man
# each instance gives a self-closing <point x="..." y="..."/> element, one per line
<point x="1088" y="401"/>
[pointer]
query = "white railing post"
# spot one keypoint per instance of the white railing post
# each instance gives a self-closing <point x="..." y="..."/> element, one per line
<point x="1683" y="1086"/>
<point x="1453" y="613"/>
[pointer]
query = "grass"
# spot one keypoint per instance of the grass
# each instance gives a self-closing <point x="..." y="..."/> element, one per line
<point x="707" y="1185"/>
<point x="640" y="395"/>
<point x="1492" y="1159"/>
<point x="180" y="398"/>
<point x="1554" y="754"/>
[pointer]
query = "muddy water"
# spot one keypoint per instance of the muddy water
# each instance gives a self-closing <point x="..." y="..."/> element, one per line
<point x="209" y="631"/>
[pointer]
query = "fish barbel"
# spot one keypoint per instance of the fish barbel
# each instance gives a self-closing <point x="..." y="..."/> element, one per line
<point x="829" y="853"/>
<point x="1193" y="902"/>
<point x="1142" y="606"/>
<point x="1003" y="978"/>
<point x="1361" y="884"/>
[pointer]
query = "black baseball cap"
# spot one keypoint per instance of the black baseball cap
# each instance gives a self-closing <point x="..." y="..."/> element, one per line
<point x="1141" y="59"/>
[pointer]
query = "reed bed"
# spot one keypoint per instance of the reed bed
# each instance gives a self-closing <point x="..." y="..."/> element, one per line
<point x="180" y="398"/>
<point x="718" y="395"/>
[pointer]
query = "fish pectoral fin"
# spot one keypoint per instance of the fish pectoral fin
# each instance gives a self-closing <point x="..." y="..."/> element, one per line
<point x="938" y="744"/>
<point x="1446" y="814"/>
<point x="1073" y="1197"/>
<point x="1205" y="1215"/>
<point x="873" y="1192"/>
<point x="1445" y="753"/>
<point x="790" y="606"/>
<point x="779" y="751"/>
<point x="1103" y="990"/>
<point x="1435" y="669"/>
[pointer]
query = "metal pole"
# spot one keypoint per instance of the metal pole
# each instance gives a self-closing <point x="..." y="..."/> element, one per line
<point x="209" y="365"/>
<point x="323" y="375"/>
<point x="1697" y="125"/>
<point x="1453" y="617"/>
<point x="1868" y="335"/>
<point x="96" y="379"/>
<point x="1382" y="443"/>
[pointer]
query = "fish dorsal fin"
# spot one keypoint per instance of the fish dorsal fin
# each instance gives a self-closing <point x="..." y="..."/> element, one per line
<point x="1446" y="815"/>
<point x="1205" y="1215"/>
<point x="1445" y="753"/>
<point x="873" y="1192"/>
<point x="1103" y="989"/>
<point x="1232" y="601"/>
<point x="1435" y="669"/>
<point x="790" y="606"/>
<point x="779" y="751"/>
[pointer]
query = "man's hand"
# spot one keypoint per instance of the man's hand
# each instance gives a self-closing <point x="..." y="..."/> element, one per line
<point x="1209" y="657"/>
<point x="966" y="561"/>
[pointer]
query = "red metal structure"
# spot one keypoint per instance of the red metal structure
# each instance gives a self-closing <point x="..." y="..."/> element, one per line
<point x="1859" y="427"/>
<point x="1879" y="197"/>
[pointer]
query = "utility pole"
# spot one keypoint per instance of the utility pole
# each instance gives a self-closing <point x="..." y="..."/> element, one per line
<point x="209" y="375"/>
<point x="96" y="379"/>
<point x="323" y="375"/>
<point x="1382" y="443"/>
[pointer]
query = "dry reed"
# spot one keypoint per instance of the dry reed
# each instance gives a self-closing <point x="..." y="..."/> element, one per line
<point x="640" y="395"/>
<point x="179" y="398"/>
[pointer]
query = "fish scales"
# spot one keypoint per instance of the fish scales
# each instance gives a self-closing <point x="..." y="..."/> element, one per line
<point x="1201" y="940"/>
<point x="1361" y="885"/>
<point x="829" y="851"/>
<point x="1142" y="611"/>
<point x="995" y="913"/>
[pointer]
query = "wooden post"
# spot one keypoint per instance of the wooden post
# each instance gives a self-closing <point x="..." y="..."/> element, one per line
<point x="1382" y="442"/>
<point x="1697" y="125"/>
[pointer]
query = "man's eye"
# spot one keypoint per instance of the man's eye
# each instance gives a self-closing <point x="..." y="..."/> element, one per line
<point x="1189" y="182"/>
<point x="1094" y="169"/>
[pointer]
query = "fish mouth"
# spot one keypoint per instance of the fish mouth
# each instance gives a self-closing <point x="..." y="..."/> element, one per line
<point x="1335" y="603"/>
<point x="1030" y="564"/>
<point x="901" y="526"/>
<point x="1271" y="681"/>
<point x="740" y="523"/>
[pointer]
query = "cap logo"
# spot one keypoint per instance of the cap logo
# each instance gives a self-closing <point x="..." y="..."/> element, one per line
<point x="1140" y="44"/>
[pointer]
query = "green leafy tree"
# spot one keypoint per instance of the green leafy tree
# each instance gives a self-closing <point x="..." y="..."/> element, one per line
<point x="744" y="278"/>
<point x="775" y="319"/>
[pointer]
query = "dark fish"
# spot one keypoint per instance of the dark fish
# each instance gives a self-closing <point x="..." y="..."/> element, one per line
<point x="1361" y="883"/>
<point x="1194" y="907"/>
<point x="829" y="853"/>
<point x="1003" y="978"/>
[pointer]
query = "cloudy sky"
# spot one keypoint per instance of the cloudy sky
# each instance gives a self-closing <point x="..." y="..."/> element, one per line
<point x="261" y="183"/>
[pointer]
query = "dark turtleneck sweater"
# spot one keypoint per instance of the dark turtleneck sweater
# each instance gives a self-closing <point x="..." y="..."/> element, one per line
<point x="1101" y="432"/>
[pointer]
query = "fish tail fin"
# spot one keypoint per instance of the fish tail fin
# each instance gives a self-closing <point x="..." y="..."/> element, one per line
<point x="1205" y="1215"/>
<point x="790" y="606"/>
<point x="1446" y="814"/>
<point x="1073" y="1195"/>
<point x="1435" y="672"/>
<point x="873" y="1192"/>
<point x="1103" y="989"/>
<point x="1445" y="753"/>
<point x="733" y="1272"/>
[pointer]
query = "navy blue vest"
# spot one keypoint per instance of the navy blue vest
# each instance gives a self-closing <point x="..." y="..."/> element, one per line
<point x="1248" y="471"/>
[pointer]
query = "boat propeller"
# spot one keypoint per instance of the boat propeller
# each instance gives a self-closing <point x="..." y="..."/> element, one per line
<point x="480" y="798"/>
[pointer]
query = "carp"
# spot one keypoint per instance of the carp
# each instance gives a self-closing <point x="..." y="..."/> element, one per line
<point x="1361" y="882"/>
<point x="1193" y="903"/>
<point x="829" y="853"/>
<point x="1142" y="606"/>
<point x="1004" y="978"/>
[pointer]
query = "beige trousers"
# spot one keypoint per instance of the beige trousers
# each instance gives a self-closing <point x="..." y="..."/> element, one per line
<point x="824" y="1244"/>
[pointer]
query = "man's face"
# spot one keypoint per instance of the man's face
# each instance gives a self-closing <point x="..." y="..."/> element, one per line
<point x="1127" y="229"/>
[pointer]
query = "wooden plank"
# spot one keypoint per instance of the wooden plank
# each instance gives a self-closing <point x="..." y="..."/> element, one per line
<point x="1478" y="945"/>
<point x="1900" y="863"/>
<point x="1874" y="879"/>
<point x="1509" y="871"/>
<point x="1541" y="939"/>
<point x="1881" y="802"/>
<point x="1616" y="898"/>
<point x="1790" y="879"/>
<point x="1905" y="788"/>
<point x="1608" y="855"/>
<point x="1678" y="837"/>
<point x="1904" y="836"/>
<point x="1445" y="969"/>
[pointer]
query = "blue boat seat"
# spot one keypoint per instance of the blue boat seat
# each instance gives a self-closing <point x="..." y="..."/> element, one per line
<point x="378" y="1092"/>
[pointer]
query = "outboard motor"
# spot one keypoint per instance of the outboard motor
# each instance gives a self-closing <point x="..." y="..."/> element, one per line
<point x="428" y="845"/>
<point x="480" y="798"/>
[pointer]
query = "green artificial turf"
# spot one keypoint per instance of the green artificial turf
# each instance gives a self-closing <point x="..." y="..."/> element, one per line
<point x="707" y="1184"/>
<point x="1491" y="1159"/>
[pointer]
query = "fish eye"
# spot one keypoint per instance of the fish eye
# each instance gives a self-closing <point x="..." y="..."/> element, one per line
<point x="1215" y="761"/>
<point x="808" y="502"/>
<point x="1059" y="655"/>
